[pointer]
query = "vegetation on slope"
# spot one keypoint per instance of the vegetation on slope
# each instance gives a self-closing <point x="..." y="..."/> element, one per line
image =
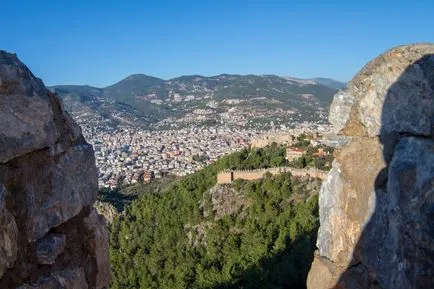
<point x="167" y="240"/>
<point x="144" y="100"/>
<point x="311" y="158"/>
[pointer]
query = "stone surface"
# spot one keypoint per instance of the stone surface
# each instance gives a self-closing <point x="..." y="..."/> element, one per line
<point x="66" y="279"/>
<point x="62" y="186"/>
<point x="331" y="209"/>
<point x="376" y="205"/>
<point x="336" y="141"/>
<point x="325" y="273"/>
<point x="224" y="201"/>
<point x="26" y="114"/>
<point x="347" y="198"/>
<point x="8" y="235"/>
<point x="97" y="246"/>
<point x="340" y="109"/>
<point x="408" y="239"/>
<point x="49" y="247"/>
<point x="48" y="184"/>
<point x="409" y="101"/>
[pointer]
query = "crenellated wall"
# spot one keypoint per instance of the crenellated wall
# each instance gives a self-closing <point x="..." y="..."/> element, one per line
<point x="227" y="177"/>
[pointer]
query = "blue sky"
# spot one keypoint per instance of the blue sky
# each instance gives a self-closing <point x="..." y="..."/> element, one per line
<point x="101" y="42"/>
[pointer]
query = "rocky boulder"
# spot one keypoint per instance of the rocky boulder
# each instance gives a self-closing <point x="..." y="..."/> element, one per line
<point x="50" y="234"/>
<point x="107" y="210"/>
<point x="376" y="205"/>
<point x="49" y="247"/>
<point x="9" y="236"/>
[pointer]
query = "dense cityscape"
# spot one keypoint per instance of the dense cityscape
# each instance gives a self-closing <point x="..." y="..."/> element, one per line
<point x="129" y="155"/>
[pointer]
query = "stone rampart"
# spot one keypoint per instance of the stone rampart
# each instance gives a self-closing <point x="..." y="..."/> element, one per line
<point x="227" y="177"/>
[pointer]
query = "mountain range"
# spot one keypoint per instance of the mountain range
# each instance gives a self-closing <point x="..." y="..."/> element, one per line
<point x="145" y="100"/>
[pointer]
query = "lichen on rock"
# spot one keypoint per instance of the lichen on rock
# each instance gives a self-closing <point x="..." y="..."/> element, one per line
<point x="376" y="204"/>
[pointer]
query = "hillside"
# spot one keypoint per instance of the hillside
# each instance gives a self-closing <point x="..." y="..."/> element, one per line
<point x="132" y="86"/>
<point x="233" y="99"/>
<point x="196" y="234"/>
<point x="329" y="82"/>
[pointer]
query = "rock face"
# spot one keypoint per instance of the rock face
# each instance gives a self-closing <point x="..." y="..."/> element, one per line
<point x="50" y="235"/>
<point x="376" y="205"/>
<point x="107" y="210"/>
<point x="49" y="247"/>
<point x="224" y="201"/>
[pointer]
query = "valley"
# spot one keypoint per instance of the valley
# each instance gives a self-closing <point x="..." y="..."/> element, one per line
<point x="144" y="127"/>
<point x="211" y="145"/>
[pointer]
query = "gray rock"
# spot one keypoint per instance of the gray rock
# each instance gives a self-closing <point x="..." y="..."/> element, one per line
<point x="225" y="200"/>
<point x="376" y="205"/>
<point x="408" y="101"/>
<point x="340" y="109"/>
<point x="66" y="279"/>
<point x="49" y="247"/>
<point x="26" y="113"/>
<point x="97" y="245"/>
<point x="8" y="235"/>
<point x="52" y="189"/>
<point x="330" y="209"/>
<point x="335" y="141"/>
<point x="408" y="249"/>
<point x="48" y="183"/>
<point x="74" y="183"/>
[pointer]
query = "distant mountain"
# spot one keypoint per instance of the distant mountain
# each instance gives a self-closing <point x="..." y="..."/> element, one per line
<point x="132" y="86"/>
<point x="329" y="82"/>
<point x="145" y="100"/>
<point x="82" y="93"/>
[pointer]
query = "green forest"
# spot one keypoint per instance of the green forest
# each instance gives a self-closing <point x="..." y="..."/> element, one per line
<point x="173" y="239"/>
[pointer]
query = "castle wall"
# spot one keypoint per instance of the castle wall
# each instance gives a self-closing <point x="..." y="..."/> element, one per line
<point x="225" y="177"/>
